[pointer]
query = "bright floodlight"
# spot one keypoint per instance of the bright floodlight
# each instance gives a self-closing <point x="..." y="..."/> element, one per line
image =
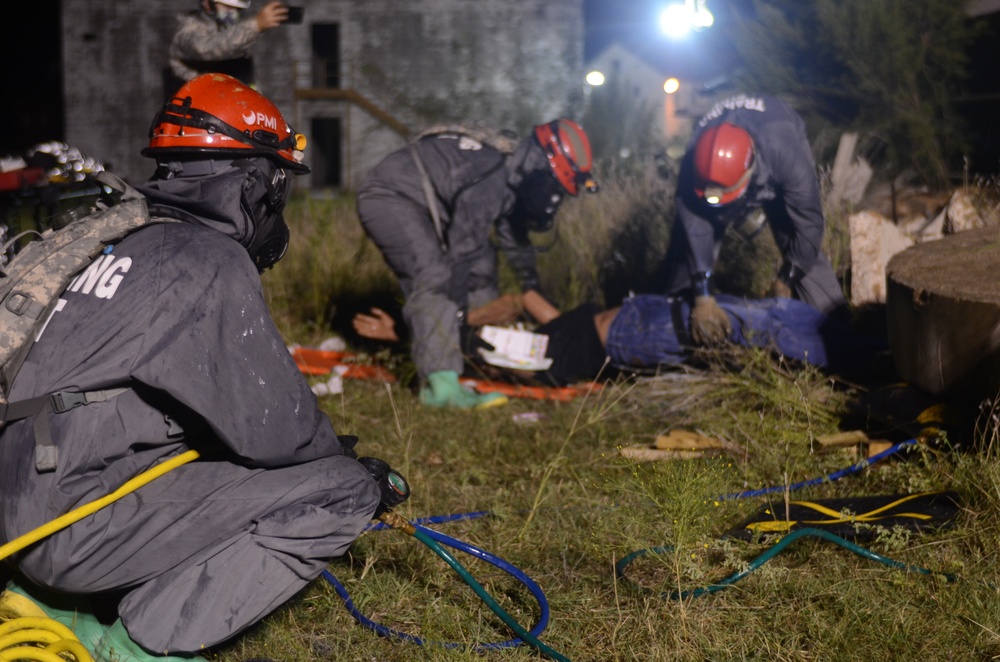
<point x="680" y="18"/>
<point x="595" y="78"/>
<point x="675" y="20"/>
<point x="671" y="85"/>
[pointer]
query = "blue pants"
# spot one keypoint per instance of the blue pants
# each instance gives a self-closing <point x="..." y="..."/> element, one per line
<point x="652" y="330"/>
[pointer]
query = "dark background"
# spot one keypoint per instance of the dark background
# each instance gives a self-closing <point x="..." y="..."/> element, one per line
<point x="30" y="71"/>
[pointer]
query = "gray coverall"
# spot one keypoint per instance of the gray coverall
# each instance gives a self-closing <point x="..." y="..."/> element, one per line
<point x="175" y="312"/>
<point x="784" y="183"/>
<point x="474" y="187"/>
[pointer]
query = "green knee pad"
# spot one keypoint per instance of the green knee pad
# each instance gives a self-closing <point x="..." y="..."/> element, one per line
<point x="117" y="646"/>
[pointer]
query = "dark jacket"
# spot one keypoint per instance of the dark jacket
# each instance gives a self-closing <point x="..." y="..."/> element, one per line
<point x="175" y="311"/>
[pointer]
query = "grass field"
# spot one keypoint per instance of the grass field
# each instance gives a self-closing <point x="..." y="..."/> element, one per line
<point x="564" y="506"/>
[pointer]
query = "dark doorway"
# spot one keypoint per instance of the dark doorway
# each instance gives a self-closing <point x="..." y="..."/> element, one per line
<point x="31" y="75"/>
<point x="326" y="55"/>
<point x="325" y="142"/>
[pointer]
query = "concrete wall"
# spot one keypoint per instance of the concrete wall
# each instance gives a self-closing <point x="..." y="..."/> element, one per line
<point x="511" y="63"/>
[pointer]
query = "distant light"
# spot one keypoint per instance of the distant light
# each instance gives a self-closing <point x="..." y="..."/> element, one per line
<point x="595" y="78"/>
<point x="671" y="85"/>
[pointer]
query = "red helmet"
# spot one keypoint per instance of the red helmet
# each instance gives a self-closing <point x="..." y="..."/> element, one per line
<point x="568" y="149"/>
<point x="723" y="163"/>
<point x="215" y="114"/>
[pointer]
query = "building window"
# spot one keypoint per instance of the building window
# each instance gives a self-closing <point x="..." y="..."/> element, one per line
<point x="325" y="148"/>
<point x="326" y="55"/>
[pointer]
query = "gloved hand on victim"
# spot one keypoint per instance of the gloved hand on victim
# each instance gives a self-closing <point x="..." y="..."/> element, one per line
<point x="709" y="324"/>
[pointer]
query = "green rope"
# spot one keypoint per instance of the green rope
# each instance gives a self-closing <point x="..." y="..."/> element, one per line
<point x="487" y="598"/>
<point x="770" y="554"/>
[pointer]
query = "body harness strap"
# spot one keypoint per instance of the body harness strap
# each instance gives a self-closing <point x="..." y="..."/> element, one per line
<point x="431" y="198"/>
<point x="46" y="453"/>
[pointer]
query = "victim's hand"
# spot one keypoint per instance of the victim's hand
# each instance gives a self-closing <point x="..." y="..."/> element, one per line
<point x="379" y="325"/>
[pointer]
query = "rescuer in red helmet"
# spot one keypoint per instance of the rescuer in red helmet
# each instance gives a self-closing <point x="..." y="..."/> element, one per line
<point x="749" y="153"/>
<point x="431" y="208"/>
<point x="170" y="326"/>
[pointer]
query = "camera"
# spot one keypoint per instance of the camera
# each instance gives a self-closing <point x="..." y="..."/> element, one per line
<point x="295" y="15"/>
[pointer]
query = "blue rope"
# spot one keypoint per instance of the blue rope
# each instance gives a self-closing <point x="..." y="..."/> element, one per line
<point x="496" y="561"/>
<point x="836" y="475"/>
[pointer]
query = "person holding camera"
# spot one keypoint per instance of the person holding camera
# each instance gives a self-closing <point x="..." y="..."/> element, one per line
<point x="219" y="37"/>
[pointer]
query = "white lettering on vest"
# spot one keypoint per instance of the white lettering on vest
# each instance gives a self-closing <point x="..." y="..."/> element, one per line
<point x="733" y="103"/>
<point x="59" y="306"/>
<point x="109" y="282"/>
<point x="102" y="274"/>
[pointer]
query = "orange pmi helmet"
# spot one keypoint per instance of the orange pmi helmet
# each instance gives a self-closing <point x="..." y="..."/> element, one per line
<point x="217" y="115"/>
<point x="723" y="163"/>
<point x="568" y="150"/>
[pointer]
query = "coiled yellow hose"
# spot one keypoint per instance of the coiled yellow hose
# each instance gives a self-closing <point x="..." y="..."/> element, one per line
<point x="30" y="634"/>
<point x="39" y="639"/>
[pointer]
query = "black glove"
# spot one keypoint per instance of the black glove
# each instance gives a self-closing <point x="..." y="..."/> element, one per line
<point x="348" y="442"/>
<point x="790" y="275"/>
<point x="395" y="489"/>
<point x="472" y="342"/>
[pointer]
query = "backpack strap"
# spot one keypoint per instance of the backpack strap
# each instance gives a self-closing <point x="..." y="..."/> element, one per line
<point x="431" y="196"/>
<point x="119" y="185"/>
<point x="46" y="453"/>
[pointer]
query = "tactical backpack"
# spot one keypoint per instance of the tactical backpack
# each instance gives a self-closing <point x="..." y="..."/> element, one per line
<point x="30" y="285"/>
<point x="502" y="141"/>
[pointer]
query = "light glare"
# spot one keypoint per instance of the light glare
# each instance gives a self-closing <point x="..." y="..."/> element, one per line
<point x="680" y="18"/>
<point x="675" y="20"/>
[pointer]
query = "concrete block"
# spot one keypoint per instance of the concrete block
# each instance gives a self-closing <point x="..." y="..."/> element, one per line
<point x="943" y="308"/>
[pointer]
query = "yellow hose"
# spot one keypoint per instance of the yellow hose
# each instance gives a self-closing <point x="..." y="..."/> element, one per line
<point x="78" y="514"/>
<point x="40" y="640"/>
<point x="37" y="639"/>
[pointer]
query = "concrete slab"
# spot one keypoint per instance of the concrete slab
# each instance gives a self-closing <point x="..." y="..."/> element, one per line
<point x="943" y="307"/>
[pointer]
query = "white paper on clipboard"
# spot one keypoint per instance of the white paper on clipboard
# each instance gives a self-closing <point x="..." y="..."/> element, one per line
<point x="515" y="348"/>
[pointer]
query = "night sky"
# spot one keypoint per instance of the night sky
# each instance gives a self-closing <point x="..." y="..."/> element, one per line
<point x="701" y="55"/>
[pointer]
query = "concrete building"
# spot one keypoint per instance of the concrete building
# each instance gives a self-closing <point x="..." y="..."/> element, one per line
<point x="357" y="76"/>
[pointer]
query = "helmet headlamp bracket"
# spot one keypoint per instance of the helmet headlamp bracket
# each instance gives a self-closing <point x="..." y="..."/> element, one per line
<point x="714" y="193"/>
